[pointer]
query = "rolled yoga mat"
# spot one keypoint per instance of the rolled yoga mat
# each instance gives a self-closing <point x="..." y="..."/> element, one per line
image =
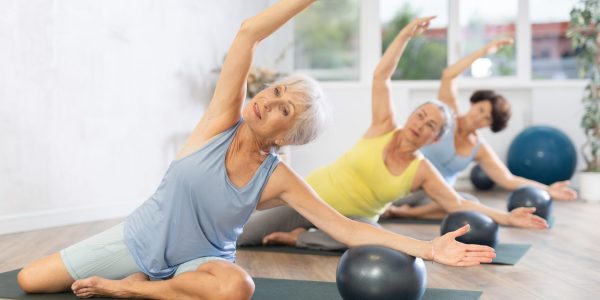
<point x="506" y="254"/>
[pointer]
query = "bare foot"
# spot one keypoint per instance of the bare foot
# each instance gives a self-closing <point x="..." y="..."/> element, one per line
<point x="283" y="238"/>
<point x="97" y="286"/>
<point x="403" y="211"/>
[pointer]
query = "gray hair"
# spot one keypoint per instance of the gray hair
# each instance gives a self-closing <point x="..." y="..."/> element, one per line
<point x="446" y="112"/>
<point x="316" y="116"/>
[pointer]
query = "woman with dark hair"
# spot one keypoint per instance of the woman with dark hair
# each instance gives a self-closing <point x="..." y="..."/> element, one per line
<point x="455" y="151"/>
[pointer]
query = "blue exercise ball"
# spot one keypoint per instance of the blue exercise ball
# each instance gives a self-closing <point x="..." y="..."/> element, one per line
<point x="543" y="154"/>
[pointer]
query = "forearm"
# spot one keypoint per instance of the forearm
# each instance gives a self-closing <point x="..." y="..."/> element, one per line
<point x="389" y="61"/>
<point x="498" y="216"/>
<point x="365" y="234"/>
<point x="512" y="183"/>
<point x="464" y="63"/>
<point x="266" y="22"/>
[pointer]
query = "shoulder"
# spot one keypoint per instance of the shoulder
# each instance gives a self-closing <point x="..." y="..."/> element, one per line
<point x="282" y="180"/>
<point x="425" y="166"/>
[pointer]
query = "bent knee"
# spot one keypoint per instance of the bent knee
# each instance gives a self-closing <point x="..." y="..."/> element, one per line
<point x="27" y="280"/>
<point x="238" y="287"/>
<point x="46" y="275"/>
<point x="235" y="284"/>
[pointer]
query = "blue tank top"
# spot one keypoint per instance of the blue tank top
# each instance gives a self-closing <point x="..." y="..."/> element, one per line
<point x="196" y="211"/>
<point x="444" y="158"/>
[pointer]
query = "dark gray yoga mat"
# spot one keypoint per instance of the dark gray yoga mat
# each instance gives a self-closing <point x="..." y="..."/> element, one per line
<point x="294" y="250"/>
<point x="506" y="254"/>
<point x="9" y="289"/>
<point x="266" y="289"/>
<point x="551" y="221"/>
<point x="509" y="254"/>
<point x="276" y="289"/>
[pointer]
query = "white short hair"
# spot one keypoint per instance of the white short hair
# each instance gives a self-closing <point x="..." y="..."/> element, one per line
<point x="316" y="115"/>
<point x="446" y="112"/>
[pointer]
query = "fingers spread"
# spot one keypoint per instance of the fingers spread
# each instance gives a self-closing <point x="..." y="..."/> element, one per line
<point x="461" y="231"/>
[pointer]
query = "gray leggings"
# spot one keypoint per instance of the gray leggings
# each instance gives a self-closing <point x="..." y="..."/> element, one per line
<point x="419" y="198"/>
<point x="284" y="218"/>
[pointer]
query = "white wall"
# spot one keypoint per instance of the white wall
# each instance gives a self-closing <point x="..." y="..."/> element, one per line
<point x="94" y="97"/>
<point x="533" y="103"/>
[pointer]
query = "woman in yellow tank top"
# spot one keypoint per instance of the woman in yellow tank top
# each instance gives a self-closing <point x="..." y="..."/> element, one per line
<point x="384" y="165"/>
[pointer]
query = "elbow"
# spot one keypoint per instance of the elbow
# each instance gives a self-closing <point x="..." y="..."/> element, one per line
<point x="382" y="78"/>
<point x="378" y="76"/>
<point x="455" y="206"/>
<point x="347" y="232"/>
<point x="447" y="74"/>
<point x="248" y="30"/>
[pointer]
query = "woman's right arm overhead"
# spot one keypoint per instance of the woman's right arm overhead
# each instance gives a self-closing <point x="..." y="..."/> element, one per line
<point x="445" y="249"/>
<point x="225" y="107"/>
<point x="447" y="92"/>
<point x="382" y="107"/>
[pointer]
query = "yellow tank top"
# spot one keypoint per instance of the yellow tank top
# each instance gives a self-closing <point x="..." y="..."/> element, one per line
<point x="359" y="184"/>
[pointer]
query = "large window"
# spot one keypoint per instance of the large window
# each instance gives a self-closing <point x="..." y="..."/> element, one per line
<point x="481" y="22"/>
<point x="344" y="39"/>
<point x="552" y="56"/>
<point x="425" y="56"/>
<point x="326" y="40"/>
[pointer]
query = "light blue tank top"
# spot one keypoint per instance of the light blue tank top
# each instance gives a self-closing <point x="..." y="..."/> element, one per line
<point x="196" y="211"/>
<point x="444" y="158"/>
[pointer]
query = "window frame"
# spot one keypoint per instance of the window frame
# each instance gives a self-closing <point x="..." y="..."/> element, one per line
<point x="370" y="51"/>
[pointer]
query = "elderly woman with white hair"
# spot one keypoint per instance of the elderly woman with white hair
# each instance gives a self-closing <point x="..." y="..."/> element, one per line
<point x="184" y="236"/>
<point x="384" y="165"/>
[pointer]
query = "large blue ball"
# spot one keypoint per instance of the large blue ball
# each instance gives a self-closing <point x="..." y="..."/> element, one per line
<point x="543" y="154"/>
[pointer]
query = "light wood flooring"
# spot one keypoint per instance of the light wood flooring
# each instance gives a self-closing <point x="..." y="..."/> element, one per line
<point x="563" y="262"/>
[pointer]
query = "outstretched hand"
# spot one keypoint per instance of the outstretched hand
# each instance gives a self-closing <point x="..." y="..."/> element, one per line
<point x="561" y="191"/>
<point x="523" y="217"/>
<point x="417" y="26"/>
<point x="494" y="45"/>
<point x="446" y="250"/>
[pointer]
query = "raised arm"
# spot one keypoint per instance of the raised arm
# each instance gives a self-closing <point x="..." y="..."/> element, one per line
<point x="445" y="249"/>
<point x="448" y="92"/>
<point x="437" y="188"/>
<point x="499" y="173"/>
<point x="225" y="107"/>
<point x="382" y="107"/>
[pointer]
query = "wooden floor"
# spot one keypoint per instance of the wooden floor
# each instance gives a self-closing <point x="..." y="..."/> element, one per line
<point x="563" y="263"/>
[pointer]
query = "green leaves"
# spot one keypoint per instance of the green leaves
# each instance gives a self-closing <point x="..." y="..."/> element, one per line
<point x="584" y="31"/>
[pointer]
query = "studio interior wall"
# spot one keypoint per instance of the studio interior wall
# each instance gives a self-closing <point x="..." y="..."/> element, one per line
<point x="96" y="95"/>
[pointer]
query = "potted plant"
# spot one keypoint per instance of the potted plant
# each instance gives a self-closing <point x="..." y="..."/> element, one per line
<point x="584" y="31"/>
